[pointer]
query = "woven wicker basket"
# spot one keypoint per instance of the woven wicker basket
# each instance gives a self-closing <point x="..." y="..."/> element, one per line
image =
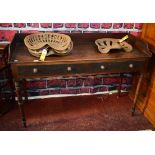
<point x="55" y="43"/>
<point x="106" y="44"/>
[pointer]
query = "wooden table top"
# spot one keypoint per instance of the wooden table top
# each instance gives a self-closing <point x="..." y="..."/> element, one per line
<point x="84" y="49"/>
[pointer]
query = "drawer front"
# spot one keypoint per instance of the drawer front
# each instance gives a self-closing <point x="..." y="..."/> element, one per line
<point x="84" y="68"/>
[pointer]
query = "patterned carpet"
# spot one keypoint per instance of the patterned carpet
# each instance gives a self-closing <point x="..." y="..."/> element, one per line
<point x="80" y="113"/>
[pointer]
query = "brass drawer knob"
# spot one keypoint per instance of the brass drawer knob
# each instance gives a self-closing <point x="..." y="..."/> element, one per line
<point x="130" y="65"/>
<point x="35" y="70"/>
<point x="69" y="68"/>
<point x="102" y="67"/>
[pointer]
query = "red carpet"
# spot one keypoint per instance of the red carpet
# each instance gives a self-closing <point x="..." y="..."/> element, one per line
<point x="86" y="113"/>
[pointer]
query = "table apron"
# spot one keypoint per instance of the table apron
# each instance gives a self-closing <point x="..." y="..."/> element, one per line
<point x="47" y="70"/>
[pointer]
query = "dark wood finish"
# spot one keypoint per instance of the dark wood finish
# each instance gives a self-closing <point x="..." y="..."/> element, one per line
<point x="83" y="68"/>
<point x="137" y="92"/>
<point x="24" y="91"/>
<point x="146" y="99"/>
<point x="84" y="58"/>
<point x="84" y="50"/>
<point x="18" y="88"/>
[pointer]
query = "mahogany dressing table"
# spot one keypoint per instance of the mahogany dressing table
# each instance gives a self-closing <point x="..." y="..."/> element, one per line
<point x="84" y="59"/>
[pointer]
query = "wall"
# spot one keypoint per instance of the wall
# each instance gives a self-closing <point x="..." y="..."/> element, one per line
<point x="72" y="85"/>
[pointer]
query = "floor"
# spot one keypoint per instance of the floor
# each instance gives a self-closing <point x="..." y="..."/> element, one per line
<point x="80" y="113"/>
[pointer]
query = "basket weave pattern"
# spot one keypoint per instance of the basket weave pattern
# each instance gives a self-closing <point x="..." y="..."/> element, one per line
<point x="54" y="43"/>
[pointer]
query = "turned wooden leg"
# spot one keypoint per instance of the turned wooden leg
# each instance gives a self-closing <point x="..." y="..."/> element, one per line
<point x="24" y="90"/>
<point x="20" y="101"/>
<point x="120" y="85"/>
<point x="137" y="93"/>
<point x="11" y="85"/>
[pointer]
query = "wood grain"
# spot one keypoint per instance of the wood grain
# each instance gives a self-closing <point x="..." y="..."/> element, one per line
<point x="146" y="99"/>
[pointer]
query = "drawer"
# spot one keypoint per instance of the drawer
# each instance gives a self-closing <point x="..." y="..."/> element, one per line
<point x="82" y="68"/>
